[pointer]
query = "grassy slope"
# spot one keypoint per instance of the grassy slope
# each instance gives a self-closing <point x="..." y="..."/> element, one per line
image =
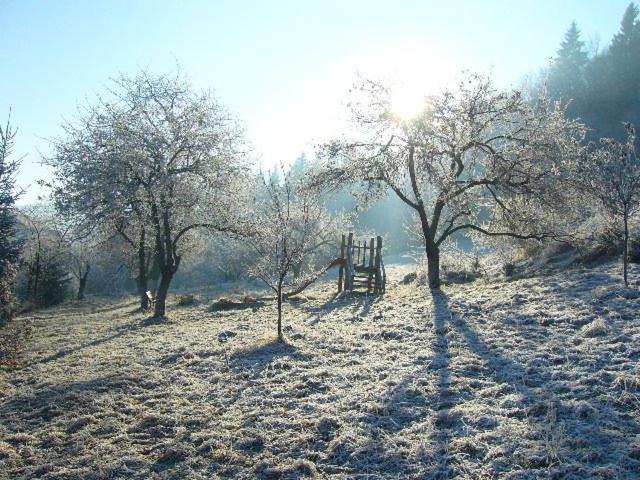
<point x="534" y="378"/>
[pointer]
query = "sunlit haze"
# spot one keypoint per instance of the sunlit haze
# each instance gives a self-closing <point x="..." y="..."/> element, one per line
<point x="283" y="68"/>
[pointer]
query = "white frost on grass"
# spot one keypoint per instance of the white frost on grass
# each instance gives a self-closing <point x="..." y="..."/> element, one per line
<point x="479" y="381"/>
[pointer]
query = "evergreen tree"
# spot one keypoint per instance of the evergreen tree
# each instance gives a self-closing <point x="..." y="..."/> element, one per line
<point x="627" y="37"/>
<point x="9" y="244"/>
<point x="566" y="76"/>
<point x="300" y="167"/>
<point x="624" y="71"/>
<point x="54" y="284"/>
<point x="613" y="80"/>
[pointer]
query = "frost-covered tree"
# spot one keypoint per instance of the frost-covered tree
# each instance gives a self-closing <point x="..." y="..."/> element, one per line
<point x="292" y="226"/>
<point x="157" y="154"/>
<point x="95" y="189"/>
<point x="10" y="246"/>
<point x="467" y="162"/>
<point x="611" y="173"/>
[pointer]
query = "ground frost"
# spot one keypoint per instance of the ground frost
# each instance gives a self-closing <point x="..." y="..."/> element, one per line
<point x="533" y="378"/>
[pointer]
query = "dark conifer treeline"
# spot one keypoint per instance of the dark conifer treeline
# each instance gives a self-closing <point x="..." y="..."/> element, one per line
<point x="603" y="89"/>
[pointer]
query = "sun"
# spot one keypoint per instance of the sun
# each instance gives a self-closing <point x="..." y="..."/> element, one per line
<point x="407" y="101"/>
<point x="413" y="73"/>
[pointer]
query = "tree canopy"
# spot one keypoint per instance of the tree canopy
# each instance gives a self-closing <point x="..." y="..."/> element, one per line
<point x="471" y="149"/>
<point x="157" y="154"/>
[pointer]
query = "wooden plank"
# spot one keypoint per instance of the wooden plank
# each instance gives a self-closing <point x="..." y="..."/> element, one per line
<point x="341" y="269"/>
<point x="370" y="265"/>
<point x="364" y="252"/>
<point x="349" y="263"/>
<point x="378" y="286"/>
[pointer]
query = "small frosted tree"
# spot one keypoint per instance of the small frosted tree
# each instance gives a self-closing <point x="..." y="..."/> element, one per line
<point x="611" y="173"/>
<point x="466" y="163"/>
<point x="292" y="226"/>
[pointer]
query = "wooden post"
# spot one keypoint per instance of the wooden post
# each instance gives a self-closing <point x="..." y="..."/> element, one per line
<point x="378" y="287"/>
<point x="341" y="269"/>
<point x="348" y="280"/>
<point x="370" y="265"/>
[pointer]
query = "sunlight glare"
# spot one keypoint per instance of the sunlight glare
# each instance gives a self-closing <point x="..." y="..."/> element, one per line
<point x="407" y="101"/>
<point x="413" y="73"/>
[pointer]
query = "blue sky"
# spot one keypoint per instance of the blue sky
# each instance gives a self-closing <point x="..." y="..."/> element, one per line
<point x="284" y="68"/>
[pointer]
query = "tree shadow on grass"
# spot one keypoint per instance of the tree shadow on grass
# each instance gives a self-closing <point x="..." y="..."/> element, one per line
<point x="258" y="357"/>
<point x="406" y="408"/>
<point x="409" y="407"/>
<point x="74" y="309"/>
<point x="581" y="291"/>
<point x="46" y="402"/>
<point x="359" y="304"/>
<point x="445" y="422"/>
<point x="536" y="405"/>
<point x="107" y="309"/>
<point x="553" y="425"/>
<point x="119" y="332"/>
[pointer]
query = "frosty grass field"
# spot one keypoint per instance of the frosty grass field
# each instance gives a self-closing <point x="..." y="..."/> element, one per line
<point x="532" y="378"/>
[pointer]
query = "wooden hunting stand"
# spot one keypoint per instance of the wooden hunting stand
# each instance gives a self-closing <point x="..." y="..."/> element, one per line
<point x="361" y="265"/>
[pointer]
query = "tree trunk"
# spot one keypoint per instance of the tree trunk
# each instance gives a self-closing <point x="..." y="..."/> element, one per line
<point x="431" y="247"/>
<point x="153" y="272"/>
<point x="161" y="293"/>
<point x="36" y="279"/>
<point x="625" y="254"/>
<point x="433" y="267"/>
<point x="142" y="293"/>
<point x="168" y="261"/>
<point x="280" y="337"/>
<point x="83" y="283"/>
<point x="143" y="278"/>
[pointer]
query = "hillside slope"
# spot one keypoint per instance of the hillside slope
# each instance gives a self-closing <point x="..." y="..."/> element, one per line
<point x="535" y="378"/>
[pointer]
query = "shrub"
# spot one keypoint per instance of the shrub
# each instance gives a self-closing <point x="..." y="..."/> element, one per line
<point x="7" y="298"/>
<point x="409" y="278"/>
<point x="608" y="241"/>
<point x="595" y="329"/>
<point x="12" y="339"/>
<point x="54" y="287"/>
<point x="634" y="250"/>
<point x="509" y="268"/>
<point x="186" y="300"/>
